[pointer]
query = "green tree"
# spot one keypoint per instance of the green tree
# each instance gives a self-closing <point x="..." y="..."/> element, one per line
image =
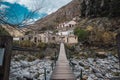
<point x="81" y="33"/>
<point x="3" y="31"/>
<point x="42" y="45"/>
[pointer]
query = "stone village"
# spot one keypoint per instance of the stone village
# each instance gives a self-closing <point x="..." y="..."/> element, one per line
<point x="64" y="34"/>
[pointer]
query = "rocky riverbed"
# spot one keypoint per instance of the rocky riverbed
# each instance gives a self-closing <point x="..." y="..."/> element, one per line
<point x="92" y="68"/>
<point x="96" y="68"/>
<point x="34" y="70"/>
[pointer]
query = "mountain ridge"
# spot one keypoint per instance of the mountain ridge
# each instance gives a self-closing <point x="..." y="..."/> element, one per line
<point x="65" y="13"/>
<point x="76" y="8"/>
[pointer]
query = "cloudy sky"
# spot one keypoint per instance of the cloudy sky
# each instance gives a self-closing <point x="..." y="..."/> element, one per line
<point x="21" y="7"/>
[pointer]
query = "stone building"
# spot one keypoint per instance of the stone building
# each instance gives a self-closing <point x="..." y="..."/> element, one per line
<point x="49" y="37"/>
<point x="67" y="25"/>
<point x="36" y="38"/>
<point x="69" y="39"/>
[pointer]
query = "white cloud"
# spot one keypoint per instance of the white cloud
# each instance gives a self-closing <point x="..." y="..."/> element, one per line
<point x="30" y="21"/>
<point x="48" y="6"/>
<point x="30" y="4"/>
<point x="2" y="7"/>
<point x="11" y="1"/>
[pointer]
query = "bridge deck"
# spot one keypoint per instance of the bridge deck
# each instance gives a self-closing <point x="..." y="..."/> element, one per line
<point x="62" y="70"/>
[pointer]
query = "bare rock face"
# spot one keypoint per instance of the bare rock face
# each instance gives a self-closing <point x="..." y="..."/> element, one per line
<point x="100" y="8"/>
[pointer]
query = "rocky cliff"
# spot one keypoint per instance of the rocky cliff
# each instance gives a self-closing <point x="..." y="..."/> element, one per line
<point x="100" y="8"/>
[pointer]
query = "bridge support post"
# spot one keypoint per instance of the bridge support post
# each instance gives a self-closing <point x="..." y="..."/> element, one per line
<point x="5" y="56"/>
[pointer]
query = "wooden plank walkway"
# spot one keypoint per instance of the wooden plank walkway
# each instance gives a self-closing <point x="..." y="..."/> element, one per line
<point x="62" y="70"/>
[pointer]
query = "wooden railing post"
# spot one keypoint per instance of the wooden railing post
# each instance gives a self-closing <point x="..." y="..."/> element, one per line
<point x="52" y="65"/>
<point x="45" y="72"/>
<point x="5" y="51"/>
<point x="118" y="46"/>
<point x="55" y="57"/>
<point x="81" y="74"/>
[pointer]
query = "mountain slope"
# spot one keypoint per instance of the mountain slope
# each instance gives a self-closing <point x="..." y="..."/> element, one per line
<point x="65" y="13"/>
<point x="85" y="10"/>
<point x="12" y="31"/>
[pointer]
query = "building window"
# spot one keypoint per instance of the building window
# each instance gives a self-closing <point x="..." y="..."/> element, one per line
<point x="75" y="37"/>
<point x="70" y="25"/>
<point x="29" y="38"/>
<point x="39" y="40"/>
<point x="53" y="38"/>
<point x="35" y="39"/>
<point x="22" y="39"/>
<point x="67" y="40"/>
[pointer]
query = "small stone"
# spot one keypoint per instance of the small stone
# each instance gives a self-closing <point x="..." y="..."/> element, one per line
<point x="89" y="78"/>
<point x="92" y="76"/>
<point x="103" y="73"/>
<point x="99" y="75"/>
<point x="108" y="75"/>
<point x="81" y="64"/>
<point x="24" y="64"/>
<point x="90" y="60"/>
<point x="116" y="66"/>
<point x="95" y="70"/>
<point x="74" y="62"/>
<point x="85" y="77"/>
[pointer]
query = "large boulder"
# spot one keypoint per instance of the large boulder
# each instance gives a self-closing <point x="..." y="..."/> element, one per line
<point x="101" y="54"/>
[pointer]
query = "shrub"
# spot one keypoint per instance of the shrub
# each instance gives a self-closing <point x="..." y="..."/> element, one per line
<point x="81" y="33"/>
<point x="116" y="73"/>
<point x="40" y="55"/>
<point x="3" y="31"/>
<point x="16" y="43"/>
<point x="52" y="45"/>
<point x="27" y="43"/>
<point x="42" y="45"/>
